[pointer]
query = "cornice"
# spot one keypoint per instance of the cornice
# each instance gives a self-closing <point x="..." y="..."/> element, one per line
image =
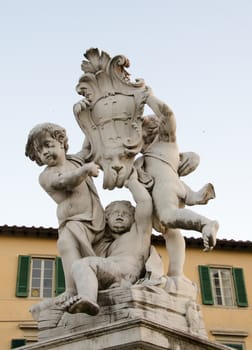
<point x="191" y="242"/>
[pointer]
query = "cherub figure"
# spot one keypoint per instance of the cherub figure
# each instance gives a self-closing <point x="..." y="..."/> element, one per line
<point x="162" y="162"/>
<point x="130" y="229"/>
<point x="68" y="182"/>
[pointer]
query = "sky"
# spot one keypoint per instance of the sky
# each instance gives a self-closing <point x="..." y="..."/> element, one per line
<point x="195" y="55"/>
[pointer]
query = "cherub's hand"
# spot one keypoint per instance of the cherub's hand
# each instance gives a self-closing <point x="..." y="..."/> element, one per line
<point x="92" y="169"/>
<point x="77" y="108"/>
<point x="133" y="177"/>
<point x="80" y="106"/>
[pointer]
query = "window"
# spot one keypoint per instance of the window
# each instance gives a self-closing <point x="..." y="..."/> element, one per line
<point x="222" y="286"/>
<point x="39" y="277"/>
<point x="232" y="338"/>
<point x="15" y="343"/>
<point x="237" y="346"/>
<point x="42" y="278"/>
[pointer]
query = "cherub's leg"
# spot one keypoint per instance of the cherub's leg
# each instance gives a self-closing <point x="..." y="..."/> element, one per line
<point x="90" y="274"/>
<point x="69" y="252"/>
<point x="166" y="203"/>
<point x="84" y="272"/>
<point x="188" y="220"/>
<point x="72" y="249"/>
<point x="199" y="197"/>
<point x="175" y="246"/>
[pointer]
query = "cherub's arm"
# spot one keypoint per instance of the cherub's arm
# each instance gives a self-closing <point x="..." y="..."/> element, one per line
<point x="68" y="180"/>
<point x="143" y="211"/>
<point x="165" y="114"/>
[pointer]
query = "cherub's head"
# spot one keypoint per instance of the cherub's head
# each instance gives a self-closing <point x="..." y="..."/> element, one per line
<point x="120" y="216"/>
<point x="37" y="137"/>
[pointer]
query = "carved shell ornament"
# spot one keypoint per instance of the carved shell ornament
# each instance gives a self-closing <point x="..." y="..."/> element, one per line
<point x="111" y="114"/>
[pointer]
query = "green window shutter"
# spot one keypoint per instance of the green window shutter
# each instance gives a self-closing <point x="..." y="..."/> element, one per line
<point x="205" y="285"/>
<point x="23" y="274"/>
<point x="235" y="346"/>
<point x="15" y="343"/>
<point x="240" y="289"/>
<point x="60" y="278"/>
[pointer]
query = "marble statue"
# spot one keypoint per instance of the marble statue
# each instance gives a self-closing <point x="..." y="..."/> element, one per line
<point x="68" y="181"/>
<point x="161" y="160"/>
<point x="130" y="230"/>
<point x="112" y="249"/>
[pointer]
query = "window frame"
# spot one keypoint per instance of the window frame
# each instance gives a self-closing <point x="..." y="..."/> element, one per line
<point x="223" y="296"/>
<point x="231" y="343"/>
<point x="17" y="342"/>
<point x="238" y="281"/>
<point x="24" y="271"/>
<point x="42" y="277"/>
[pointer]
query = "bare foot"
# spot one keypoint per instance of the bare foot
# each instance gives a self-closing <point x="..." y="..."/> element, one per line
<point x="64" y="297"/>
<point x="177" y="281"/>
<point x="59" y="301"/>
<point x="79" y="304"/>
<point x="202" y="196"/>
<point x="209" y="235"/>
<point x="207" y="192"/>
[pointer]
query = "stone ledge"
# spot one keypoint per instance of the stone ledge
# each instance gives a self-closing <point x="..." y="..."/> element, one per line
<point x="138" y="334"/>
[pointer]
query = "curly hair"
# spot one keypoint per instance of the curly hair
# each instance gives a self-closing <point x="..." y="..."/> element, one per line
<point x="37" y="135"/>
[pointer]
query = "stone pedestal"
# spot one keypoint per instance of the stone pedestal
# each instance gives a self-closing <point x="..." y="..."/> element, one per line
<point x="120" y="304"/>
<point x="137" y="318"/>
<point x="138" y="334"/>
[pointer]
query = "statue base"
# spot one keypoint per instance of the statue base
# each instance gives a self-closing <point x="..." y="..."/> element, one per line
<point x="137" y="318"/>
<point x="138" y="334"/>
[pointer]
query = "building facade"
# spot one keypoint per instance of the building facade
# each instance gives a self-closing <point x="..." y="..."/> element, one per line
<point x="31" y="270"/>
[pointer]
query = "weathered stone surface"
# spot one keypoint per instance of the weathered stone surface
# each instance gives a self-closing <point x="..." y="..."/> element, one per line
<point x="120" y="304"/>
<point x="138" y="334"/>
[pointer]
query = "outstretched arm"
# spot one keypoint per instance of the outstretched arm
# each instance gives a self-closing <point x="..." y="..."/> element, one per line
<point x="69" y="179"/>
<point x="165" y="114"/>
<point x="143" y="211"/>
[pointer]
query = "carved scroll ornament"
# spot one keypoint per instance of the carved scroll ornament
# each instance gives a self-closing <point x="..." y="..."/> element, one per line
<point x="111" y="114"/>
